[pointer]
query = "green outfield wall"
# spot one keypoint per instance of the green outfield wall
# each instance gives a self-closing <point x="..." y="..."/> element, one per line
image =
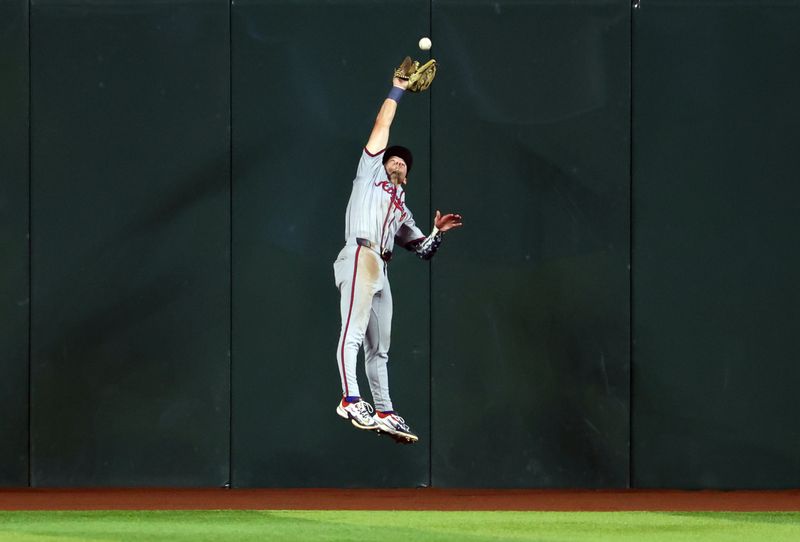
<point x="130" y="188"/>
<point x="530" y="305"/>
<point x="716" y="231"/>
<point x="618" y="310"/>
<point x="14" y="270"/>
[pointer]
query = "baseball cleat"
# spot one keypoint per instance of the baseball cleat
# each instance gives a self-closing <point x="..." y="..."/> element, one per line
<point x="396" y="427"/>
<point x="358" y="413"/>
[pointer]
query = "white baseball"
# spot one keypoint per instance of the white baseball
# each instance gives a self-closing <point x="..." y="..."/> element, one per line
<point x="425" y="44"/>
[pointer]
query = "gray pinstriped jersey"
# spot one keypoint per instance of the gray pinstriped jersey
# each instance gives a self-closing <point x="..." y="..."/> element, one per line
<point x="377" y="209"/>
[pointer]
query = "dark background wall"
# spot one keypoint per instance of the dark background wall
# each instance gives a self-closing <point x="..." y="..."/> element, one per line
<point x="716" y="231"/>
<point x="14" y="271"/>
<point x="130" y="327"/>
<point x="530" y="300"/>
<point x="617" y="311"/>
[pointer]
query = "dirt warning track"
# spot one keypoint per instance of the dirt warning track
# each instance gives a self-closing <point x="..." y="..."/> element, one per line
<point x="397" y="499"/>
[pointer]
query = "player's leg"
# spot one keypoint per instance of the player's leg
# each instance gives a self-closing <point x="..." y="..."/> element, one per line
<point x="376" y="348"/>
<point x="357" y="273"/>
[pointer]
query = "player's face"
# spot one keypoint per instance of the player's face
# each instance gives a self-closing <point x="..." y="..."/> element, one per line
<point x="396" y="170"/>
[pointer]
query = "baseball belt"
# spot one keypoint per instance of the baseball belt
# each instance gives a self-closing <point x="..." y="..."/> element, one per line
<point x="385" y="255"/>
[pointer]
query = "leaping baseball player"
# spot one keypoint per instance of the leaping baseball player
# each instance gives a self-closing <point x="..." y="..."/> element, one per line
<point x="377" y="217"/>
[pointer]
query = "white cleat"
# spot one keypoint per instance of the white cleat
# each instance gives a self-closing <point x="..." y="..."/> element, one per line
<point x="360" y="414"/>
<point x="396" y="427"/>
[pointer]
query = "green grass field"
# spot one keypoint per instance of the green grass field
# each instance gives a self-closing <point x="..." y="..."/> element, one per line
<point x="383" y="526"/>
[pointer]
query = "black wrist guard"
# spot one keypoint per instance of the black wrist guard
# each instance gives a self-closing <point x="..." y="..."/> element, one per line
<point x="426" y="248"/>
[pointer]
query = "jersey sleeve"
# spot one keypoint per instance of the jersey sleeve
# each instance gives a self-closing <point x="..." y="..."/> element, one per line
<point x="369" y="165"/>
<point x="408" y="234"/>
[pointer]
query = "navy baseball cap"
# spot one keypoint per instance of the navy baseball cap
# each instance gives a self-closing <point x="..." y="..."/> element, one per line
<point x="400" y="152"/>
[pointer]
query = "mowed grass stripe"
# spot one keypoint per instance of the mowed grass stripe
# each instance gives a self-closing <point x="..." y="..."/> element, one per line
<point x="401" y="526"/>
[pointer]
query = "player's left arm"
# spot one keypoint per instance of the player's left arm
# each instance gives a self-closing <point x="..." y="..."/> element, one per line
<point x="379" y="137"/>
<point x="426" y="247"/>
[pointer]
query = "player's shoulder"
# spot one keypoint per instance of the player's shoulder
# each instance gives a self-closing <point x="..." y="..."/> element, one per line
<point x="370" y="156"/>
<point x="375" y="153"/>
<point x="369" y="166"/>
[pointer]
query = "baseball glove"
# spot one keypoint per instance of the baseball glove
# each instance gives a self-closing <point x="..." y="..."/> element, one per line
<point x="419" y="77"/>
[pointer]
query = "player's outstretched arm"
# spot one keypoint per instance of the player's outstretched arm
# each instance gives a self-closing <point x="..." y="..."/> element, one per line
<point x="379" y="138"/>
<point x="426" y="247"/>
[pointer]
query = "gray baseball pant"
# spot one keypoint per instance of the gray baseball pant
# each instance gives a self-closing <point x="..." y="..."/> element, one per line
<point x="366" y="308"/>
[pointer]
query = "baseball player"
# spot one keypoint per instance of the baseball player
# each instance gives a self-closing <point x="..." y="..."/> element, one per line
<point x="377" y="218"/>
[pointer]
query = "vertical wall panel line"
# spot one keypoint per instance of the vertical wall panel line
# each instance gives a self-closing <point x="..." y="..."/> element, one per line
<point x="230" y="243"/>
<point x="430" y="268"/>
<point x="631" y="484"/>
<point x="30" y="248"/>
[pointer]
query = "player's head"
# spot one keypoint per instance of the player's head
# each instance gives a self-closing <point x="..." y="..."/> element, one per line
<point x="397" y="161"/>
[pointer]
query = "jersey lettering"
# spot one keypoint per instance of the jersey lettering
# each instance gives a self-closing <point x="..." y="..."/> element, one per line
<point x="397" y="202"/>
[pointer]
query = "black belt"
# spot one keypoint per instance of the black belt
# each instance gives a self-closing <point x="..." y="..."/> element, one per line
<point x="385" y="255"/>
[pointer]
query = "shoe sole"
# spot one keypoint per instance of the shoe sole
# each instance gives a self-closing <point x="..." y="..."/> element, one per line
<point x="399" y="438"/>
<point x="346" y="415"/>
<point x="394" y="433"/>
